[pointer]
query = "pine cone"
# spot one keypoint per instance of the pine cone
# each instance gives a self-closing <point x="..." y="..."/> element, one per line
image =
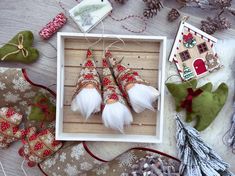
<point x="208" y="26"/>
<point x="149" y="13"/>
<point x="153" y="7"/>
<point x="173" y="15"/>
<point x="223" y="3"/>
<point x="120" y="1"/>
<point x="222" y="23"/>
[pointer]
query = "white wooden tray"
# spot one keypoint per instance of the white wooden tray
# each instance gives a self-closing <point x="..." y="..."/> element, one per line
<point x="145" y="54"/>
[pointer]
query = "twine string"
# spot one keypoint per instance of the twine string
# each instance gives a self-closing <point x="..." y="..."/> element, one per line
<point x="19" y="46"/>
<point x="3" y="170"/>
<point x="22" y="167"/>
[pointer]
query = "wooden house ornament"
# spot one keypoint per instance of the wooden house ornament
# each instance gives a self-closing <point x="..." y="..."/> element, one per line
<point x="193" y="52"/>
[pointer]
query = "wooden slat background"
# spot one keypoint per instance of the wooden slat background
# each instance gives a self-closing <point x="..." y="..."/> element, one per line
<point x="141" y="56"/>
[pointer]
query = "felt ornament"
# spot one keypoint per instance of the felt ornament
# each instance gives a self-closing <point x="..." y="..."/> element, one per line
<point x="138" y="92"/>
<point x="19" y="49"/>
<point x="87" y="97"/>
<point x="42" y="109"/>
<point x="38" y="146"/>
<point x="197" y="158"/>
<point x="200" y="103"/>
<point x="115" y="113"/>
<point x="9" y="123"/>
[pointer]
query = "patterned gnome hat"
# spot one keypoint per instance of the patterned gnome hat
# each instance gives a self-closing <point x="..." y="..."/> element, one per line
<point x="88" y="74"/>
<point x="124" y="75"/>
<point x="9" y="122"/>
<point x="110" y="89"/>
<point x="39" y="146"/>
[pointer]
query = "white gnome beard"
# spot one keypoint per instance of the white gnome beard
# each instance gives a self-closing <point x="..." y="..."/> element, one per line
<point x="116" y="115"/>
<point x="142" y="97"/>
<point x="87" y="102"/>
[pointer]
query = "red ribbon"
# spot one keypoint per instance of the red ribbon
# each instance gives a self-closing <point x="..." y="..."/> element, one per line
<point x="187" y="103"/>
<point x="42" y="104"/>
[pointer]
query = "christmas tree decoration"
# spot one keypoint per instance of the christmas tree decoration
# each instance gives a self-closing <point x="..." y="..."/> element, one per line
<point x="191" y="48"/>
<point x="88" y="13"/>
<point x="19" y="49"/>
<point x="39" y="146"/>
<point x="42" y="109"/>
<point x="115" y="113"/>
<point x="201" y="104"/>
<point x="87" y="97"/>
<point x="197" y="158"/>
<point x="9" y="126"/>
<point x="140" y="95"/>
<point x="187" y="73"/>
<point x="173" y="15"/>
<point x="153" y="6"/>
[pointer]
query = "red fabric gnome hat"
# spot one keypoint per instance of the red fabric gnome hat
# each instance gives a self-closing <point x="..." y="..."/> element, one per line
<point x="125" y="76"/>
<point x="139" y="93"/>
<point x="9" y="123"/>
<point x="111" y="92"/>
<point x="88" y="74"/>
<point x="116" y="113"/>
<point x="87" y="98"/>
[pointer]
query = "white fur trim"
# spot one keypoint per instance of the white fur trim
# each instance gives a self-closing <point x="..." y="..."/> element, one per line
<point x="142" y="96"/>
<point x="87" y="102"/>
<point x="116" y="115"/>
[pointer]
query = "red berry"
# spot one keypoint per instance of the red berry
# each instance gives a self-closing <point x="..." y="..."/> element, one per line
<point x="21" y="151"/>
<point x="31" y="164"/>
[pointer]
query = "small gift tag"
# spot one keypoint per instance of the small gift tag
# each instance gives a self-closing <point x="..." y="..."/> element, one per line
<point x="89" y="13"/>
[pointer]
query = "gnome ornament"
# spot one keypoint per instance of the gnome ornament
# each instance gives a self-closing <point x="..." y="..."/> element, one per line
<point x="9" y="131"/>
<point x="115" y="114"/>
<point x="138" y="92"/>
<point x="87" y="98"/>
<point x="39" y="146"/>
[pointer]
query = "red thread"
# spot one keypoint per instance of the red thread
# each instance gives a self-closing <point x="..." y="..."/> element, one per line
<point x="53" y="26"/>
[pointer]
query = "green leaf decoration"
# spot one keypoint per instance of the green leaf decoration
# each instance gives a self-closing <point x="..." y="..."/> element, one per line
<point x="88" y="9"/>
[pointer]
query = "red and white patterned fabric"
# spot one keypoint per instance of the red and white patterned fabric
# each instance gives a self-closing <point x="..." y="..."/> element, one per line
<point x="88" y="75"/>
<point x="124" y="75"/>
<point x="9" y="123"/>
<point x="39" y="146"/>
<point x="110" y="89"/>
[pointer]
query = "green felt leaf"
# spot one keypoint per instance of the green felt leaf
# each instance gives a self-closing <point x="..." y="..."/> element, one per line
<point x="37" y="113"/>
<point x="205" y="107"/>
<point x="28" y="38"/>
